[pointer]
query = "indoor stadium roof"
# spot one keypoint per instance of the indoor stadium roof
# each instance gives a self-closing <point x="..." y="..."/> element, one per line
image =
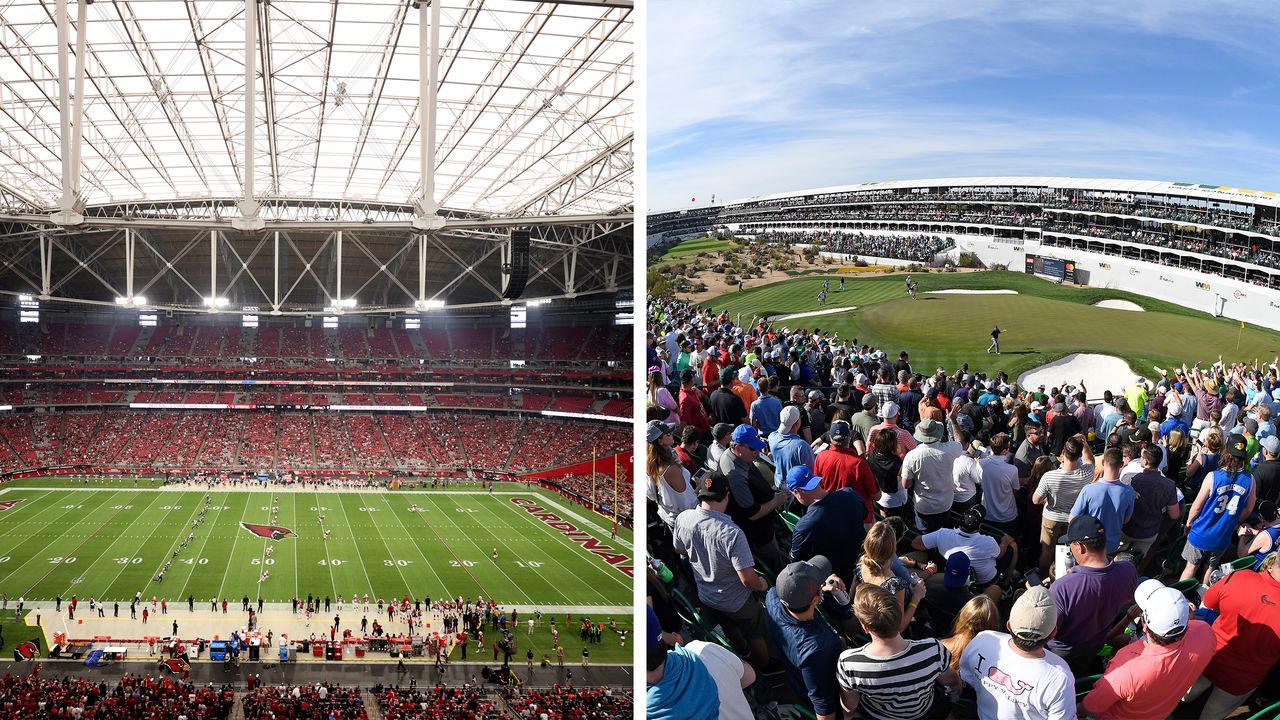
<point x="533" y="129"/>
<point x="530" y="94"/>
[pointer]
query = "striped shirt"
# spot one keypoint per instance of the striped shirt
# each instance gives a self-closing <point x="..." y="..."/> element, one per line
<point x="900" y="687"/>
<point x="1060" y="488"/>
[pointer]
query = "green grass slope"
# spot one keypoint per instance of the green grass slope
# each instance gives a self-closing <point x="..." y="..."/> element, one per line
<point x="1045" y="321"/>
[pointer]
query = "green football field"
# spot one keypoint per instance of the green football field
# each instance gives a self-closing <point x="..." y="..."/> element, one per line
<point x="1044" y="321"/>
<point x="110" y="539"/>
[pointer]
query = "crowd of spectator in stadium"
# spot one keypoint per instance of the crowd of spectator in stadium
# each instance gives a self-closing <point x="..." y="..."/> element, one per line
<point x="921" y="248"/>
<point x="265" y="440"/>
<point x="270" y="347"/>
<point x="565" y="702"/>
<point x="319" y="701"/>
<point x="435" y="702"/>
<point x="134" y="697"/>
<point x="910" y="544"/>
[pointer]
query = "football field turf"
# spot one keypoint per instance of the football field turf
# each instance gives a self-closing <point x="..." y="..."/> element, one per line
<point x="110" y="539"/>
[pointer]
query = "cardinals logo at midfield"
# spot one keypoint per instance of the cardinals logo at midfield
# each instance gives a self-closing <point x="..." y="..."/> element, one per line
<point x="271" y="532"/>
<point x="26" y="651"/>
<point x="174" y="666"/>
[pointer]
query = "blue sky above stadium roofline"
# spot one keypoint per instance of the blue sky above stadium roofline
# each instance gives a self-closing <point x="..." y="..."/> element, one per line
<point x="748" y="97"/>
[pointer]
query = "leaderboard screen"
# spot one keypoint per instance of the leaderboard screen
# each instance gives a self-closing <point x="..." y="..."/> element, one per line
<point x="1052" y="268"/>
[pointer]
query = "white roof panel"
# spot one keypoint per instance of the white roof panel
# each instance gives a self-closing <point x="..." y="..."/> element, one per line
<point x="164" y="95"/>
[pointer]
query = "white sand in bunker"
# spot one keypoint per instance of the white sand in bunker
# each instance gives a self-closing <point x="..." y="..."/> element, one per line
<point x="828" y="311"/>
<point x="1099" y="372"/>
<point x="972" y="292"/>
<point x="1119" y="305"/>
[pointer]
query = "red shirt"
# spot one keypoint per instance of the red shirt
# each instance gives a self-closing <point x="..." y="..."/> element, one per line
<point x="711" y="369"/>
<point x="1146" y="680"/>
<point x="842" y="468"/>
<point x="1249" y="607"/>
<point x="691" y="411"/>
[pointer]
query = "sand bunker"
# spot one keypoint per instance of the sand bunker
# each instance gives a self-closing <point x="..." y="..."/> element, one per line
<point x="1099" y="372"/>
<point x="972" y="292"/>
<point x="1119" y="305"/>
<point x="828" y="311"/>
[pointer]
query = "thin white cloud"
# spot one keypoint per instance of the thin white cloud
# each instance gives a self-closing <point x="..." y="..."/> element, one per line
<point x="747" y="98"/>
<point x="897" y="147"/>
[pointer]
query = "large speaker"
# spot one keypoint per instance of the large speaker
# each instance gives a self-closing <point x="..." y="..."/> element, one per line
<point x="515" y="266"/>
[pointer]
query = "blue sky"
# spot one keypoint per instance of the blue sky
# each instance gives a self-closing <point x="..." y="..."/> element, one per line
<point x="748" y="97"/>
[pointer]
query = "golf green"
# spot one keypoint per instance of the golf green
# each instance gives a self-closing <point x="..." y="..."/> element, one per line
<point x="1043" y="322"/>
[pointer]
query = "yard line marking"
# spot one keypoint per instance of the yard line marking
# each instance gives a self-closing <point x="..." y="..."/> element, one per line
<point x="231" y="555"/>
<point x="511" y="582"/>
<point x="12" y="513"/>
<point x="408" y="588"/>
<point x="353" y="537"/>
<point x="327" y="559"/>
<point x="428" y="563"/>
<point x="40" y="533"/>
<point x="222" y="503"/>
<point x="107" y="549"/>
<point x="591" y="560"/>
<point x="525" y="540"/>
<point x="76" y="549"/>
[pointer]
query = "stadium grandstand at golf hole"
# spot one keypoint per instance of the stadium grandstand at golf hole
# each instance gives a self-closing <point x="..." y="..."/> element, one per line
<point x="889" y="422"/>
<point x="303" y="307"/>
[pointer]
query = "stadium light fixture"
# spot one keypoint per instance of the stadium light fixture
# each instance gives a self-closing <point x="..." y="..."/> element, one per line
<point x="26" y="299"/>
<point x="340" y="305"/>
<point x="216" y="303"/>
<point x="425" y="305"/>
<point x="34" y="358"/>
<point x="131" y="300"/>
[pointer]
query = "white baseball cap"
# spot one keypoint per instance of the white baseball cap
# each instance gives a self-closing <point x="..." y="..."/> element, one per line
<point x="1165" y="610"/>
<point x="889" y="410"/>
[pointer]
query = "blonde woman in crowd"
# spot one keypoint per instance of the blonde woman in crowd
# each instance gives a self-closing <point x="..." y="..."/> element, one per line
<point x="977" y="615"/>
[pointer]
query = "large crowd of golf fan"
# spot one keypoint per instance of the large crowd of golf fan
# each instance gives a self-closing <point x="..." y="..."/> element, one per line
<point x="916" y="246"/>
<point x="837" y="529"/>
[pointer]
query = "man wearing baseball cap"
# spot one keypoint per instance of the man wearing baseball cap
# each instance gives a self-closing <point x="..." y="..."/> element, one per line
<point x="1266" y="474"/>
<point x="807" y="644"/>
<point x="1011" y="674"/>
<point x="927" y="469"/>
<point x="1247" y="644"/>
<point x="833" y="523"/>
<point x="1089" y="595"/>
<point x="988" y="558"/>
<point x="1147" y="678"/>
<point x="841" y="467"/>
<point x="786" y="447"/>
<point x="723" y="568"/>
<point x="1227" y="496"/>
<point x="889" y="423"/>
<point x="724" y="404"/>
<point x="948" y="593"/>
<point x="862" y="422"/>
<point x="753" y="499"/>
